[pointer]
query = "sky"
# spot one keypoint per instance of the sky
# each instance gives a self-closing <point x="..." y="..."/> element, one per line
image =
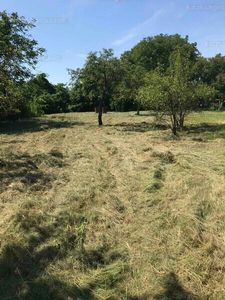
<point x="70" y="29"/>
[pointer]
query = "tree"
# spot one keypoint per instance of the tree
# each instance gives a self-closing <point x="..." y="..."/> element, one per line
<point x="61" y="98"/>
<point x="9" y="95"/>
<point x="29" y="104"/>
<point x="154" y="51"/>
<point x="32" y="103"/>
<point x="19" y="52"/>
<point x="80" y="94"/>
<point x="99" y="77"/>
<point x="174" y="94"/>
<point x="40" y="96"/>
<point x="211" y="71"/>
<point x="127" y="89"/>
<point x="41" y="84"/>
<point x="219" y="85"/>
<point x="18" y="55"/>
<point x="79" y="99"/>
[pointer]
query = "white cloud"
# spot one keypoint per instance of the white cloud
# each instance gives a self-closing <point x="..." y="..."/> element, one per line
<point x="155" y="16"/>
<point x="139" y="28"/>
<point x="123" y="39"/>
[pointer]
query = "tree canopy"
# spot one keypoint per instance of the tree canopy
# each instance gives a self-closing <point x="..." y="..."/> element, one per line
<point x="99" y="77"/>
<point x="19" y="54"/>
<point x="154" y="51"/>
<point x="174" y="94"/>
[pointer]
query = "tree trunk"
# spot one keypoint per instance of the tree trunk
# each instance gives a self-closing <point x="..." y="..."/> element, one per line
<point x="100" y="114"/>
<point x="174" y="126"/>
<point x="181" y="122"/>
<point x="138" y="109"/>
<point x="174" y="129"/>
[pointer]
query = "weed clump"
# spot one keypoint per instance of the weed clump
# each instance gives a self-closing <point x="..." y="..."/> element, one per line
<point x="197" y="139"/>
<point x="112" y="150"/>
<point x="107" y="277"/>
<point x="155" y="186"/>
<point x="56" y="153"/>
<point x="167" y="157"/>
<point x="203" y="209"/>
<point x="158" y="173"/>
<point x="147" y="149"/>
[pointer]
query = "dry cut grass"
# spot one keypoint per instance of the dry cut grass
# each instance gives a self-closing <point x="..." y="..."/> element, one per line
<point x="124" y="211"/>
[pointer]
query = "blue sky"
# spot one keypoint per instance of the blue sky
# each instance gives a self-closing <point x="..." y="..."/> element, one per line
<point x="70" y="29"/>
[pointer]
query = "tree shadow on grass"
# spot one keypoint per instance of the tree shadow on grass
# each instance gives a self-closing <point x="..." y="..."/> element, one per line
<point x="145" y="114"/>
<point x="11" y="142"/>
<point x="27" y="267"/>
<point x="23" y="271"/>
<point x="139" y="127"/>
<point x="172" y="290"/>
<point x="35" y="125"/>
<point x="24" y="267"/>
<point x="23" y="171"/>
<point x="212" y="130"/>
<point x="142" y="297"/>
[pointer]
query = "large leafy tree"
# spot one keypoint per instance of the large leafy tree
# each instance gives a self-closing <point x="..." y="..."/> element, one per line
<point x="19" y="54"/>
<point x="79" y="98"/>
<point x="10" y="93"/>
<point x="148" y="55"/>
<point x="42" y="96"/>
<point x="154" y="51"/>
<point x="32" y="102"/>
<point x="41" y="84"/>
<point x="59" y="101"/>
<point x="99" y="77"/>
<point x="212" y="71"/>
<point x="127" y="88"/>
<point x="219" y="84"/>
<point x="82" y="95"/>
<point x="173" y="94"/>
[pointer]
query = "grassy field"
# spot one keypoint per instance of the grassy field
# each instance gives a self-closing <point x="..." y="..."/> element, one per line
<point x="124" y="211"/>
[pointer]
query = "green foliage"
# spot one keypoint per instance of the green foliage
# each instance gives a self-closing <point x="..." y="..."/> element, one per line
<point x="9" y="95"/>
<point x="40" y="96"/>
<point x="18" y="55"/>
<point x="174" y="94"/>
<point x="96" y="82"/>
<point x="154" y="51"/>
<point x="79" y="99"/>
<point x="18" y="50"/>
<point x="211" y="71"/>
<point x="91" y="83"/>
<point x="57" y="102"/>
<point x="127" y="89"/>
